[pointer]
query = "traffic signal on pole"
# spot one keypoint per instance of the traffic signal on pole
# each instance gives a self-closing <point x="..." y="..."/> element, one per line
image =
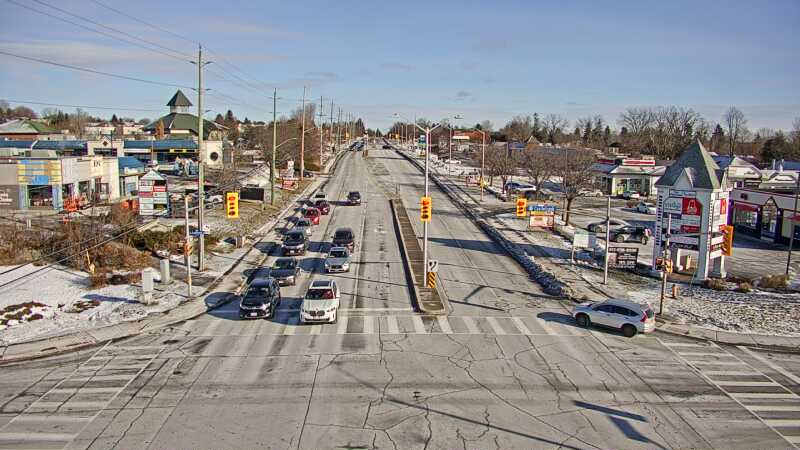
<point x="727" y="240"/>
<point x="425" y="211"/>
<point x="522" y="203"/>
<point x="232" y="205"/>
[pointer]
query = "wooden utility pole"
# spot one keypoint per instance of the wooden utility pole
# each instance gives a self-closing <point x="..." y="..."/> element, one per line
<point x="303" y="138"/>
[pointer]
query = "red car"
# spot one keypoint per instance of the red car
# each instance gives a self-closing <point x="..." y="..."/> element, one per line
<point x="313" y="215"/>
<point x="323" y="207"/>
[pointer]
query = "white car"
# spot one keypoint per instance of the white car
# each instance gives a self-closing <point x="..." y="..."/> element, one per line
<point x="646" y="208"/>
<point x="321" y="302"/>
<point x="623" y="315"/>
<point x="628" y="195"/>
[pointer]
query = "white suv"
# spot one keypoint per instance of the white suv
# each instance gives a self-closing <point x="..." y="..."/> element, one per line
<point x="321" y="302"/>
<point x="624" y="315"/>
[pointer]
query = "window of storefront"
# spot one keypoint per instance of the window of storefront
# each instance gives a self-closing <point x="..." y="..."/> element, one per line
<point x="769" y="219"/>
<point x="40" y="195"/>
<point x="745" y="218"/>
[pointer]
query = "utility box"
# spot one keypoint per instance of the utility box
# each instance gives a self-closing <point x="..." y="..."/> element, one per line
<point x="148" y="275"/>
<point x="165" y="275"/>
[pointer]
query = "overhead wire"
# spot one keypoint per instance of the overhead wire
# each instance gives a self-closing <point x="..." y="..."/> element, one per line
<point x="123" y="108"/>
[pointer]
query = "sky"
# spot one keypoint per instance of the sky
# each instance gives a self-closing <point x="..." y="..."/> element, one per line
<point x="479" y="60"/>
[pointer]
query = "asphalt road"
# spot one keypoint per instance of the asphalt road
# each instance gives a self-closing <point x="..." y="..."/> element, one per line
<point x="505" y="369"/>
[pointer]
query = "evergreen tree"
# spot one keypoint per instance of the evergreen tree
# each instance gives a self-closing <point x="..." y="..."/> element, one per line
<point x="114" y="119"/>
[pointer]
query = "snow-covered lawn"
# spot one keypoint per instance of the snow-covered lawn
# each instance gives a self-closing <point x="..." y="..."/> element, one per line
<point x="68" y="302"/>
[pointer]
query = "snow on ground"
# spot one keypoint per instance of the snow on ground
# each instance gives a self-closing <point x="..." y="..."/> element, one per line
<point x="61" y="290"/>
<point x="758" y="312"/>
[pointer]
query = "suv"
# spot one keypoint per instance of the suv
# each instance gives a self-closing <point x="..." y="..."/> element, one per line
<point x="321" y="302"/>
<point x="626" y="316"/>
<point x="261" y="299"/>
<point x="323" y="206"/>
<point x="354" y="198"/>
<point x="313" y="215"/>
<point x="285" y="271"/>
<point x="344" y="237"/>
<point x="338" y="260"/>
<point x="303" y="225"/>
<point x="630" y="233"/>
<point x="319" y="196"/>
<point x="600" y="227"/>
<point x="295" y="243"/>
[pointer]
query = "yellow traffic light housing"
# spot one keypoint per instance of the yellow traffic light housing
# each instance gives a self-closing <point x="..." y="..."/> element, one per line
<point x="425" y="211"/>
<point x="727" y="241"/>
<point x="232" y="205"/>
<point x="522" y="204"/>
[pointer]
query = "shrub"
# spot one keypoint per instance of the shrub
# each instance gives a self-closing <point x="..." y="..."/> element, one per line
<point x="98" y="279"/>
<point x="744" y="287"/>
<point x="715" y="284"/>
<point x="774" y="281"/>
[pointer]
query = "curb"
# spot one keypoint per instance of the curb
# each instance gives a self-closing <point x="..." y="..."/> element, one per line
<point x="406" y="263"/>
<point x="56" y="351"/>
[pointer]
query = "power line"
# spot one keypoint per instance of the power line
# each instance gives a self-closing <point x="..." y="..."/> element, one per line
<point x="156" y="27"/>
<point x="97" y="72"/>
<point x="121" y="108"/>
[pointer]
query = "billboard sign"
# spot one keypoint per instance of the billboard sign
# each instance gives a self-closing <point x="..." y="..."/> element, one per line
<point x="623" y="257"/>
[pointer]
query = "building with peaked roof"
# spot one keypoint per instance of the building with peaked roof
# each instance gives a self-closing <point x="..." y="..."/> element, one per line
<point x="27" y="129"/>
<point x="740" y="171"/>
<point x="180" y="123"/>
<point x="615" y="175"/>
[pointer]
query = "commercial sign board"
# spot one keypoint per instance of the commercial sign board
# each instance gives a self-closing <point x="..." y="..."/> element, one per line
<point x="623" y="257"/>
<point x="540" y="221"/>
<point x="542" y="209"/>
<point x="583" y="239"/>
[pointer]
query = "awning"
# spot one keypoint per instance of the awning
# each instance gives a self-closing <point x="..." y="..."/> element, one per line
<point x="745" y="207"/>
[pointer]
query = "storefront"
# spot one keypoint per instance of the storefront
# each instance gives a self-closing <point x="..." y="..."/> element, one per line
<point x="765" y="215"/>
<point x="614" y="176"/>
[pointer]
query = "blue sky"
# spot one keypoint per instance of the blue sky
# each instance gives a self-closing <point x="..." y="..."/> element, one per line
<point x="482" y="60"/>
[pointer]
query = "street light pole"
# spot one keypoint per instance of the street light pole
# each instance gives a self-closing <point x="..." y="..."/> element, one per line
<point x="303" y="138"/>
<point x="483" y="159"/>
<point x="201" y="261"/>
<point x="274" y="145"/>
<point x="608" y="237"/>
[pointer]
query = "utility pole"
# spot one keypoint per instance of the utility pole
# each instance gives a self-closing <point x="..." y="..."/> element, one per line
<point x="792" y="226"/>
<point x="303" y="137"/>
<point x="201" y="261"/>
<point x="665" y="255"/>
<point x="274" y="145"/>
<point x="321" y="126"/>
<point x="339" y="127"/>
<point x="330" y="131"/>
<point x="186" y="253"/>
<point x="608" y="239"/>
<point x="483" y="159"/>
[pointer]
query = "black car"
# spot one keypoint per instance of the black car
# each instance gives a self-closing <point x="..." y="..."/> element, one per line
<point x="344" y="237"/>
<point x="354" y="198"/>
<point x="387" y="147"/>
<point x="630" y="233"/>
<point x="295" y="243"/>
<point x="285" y="271"/>
<point x="261" y="299"/>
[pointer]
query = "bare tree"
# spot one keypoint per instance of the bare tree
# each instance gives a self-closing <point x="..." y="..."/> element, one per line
<point x="518" y="129"/>
<point x="574" y="168"/>
<point x="553" y="125"/>
<point x="539" y="164"/>
<point x="487" y="125"/>
<point x="499" y="163"/>
<point x="736" y="126"/>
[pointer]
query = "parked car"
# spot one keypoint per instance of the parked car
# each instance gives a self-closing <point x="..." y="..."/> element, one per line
<point x="630" y="233"/>
<point x="261" y="299"/>
<point x="313" y="215"/>
<point x="387" y="147"/>
<point x="338" y="260"/>
<point x="320" y="195"/>
<point x="304" y="225"/>
<point x="295" y="243"/>
<point x="344" y="237"/>
<point x="590" y="193"/>
<point x="646" y="208"/>
<point x="321" y="302"/>
<point x="628" y="195"/>
<point x="624" y="315"/>
<point x="600" y="227"/>
<point x="323" y="206"/>
<point x="512" y="187"/>
<point x="285" y="271"/>
<point x="354" y="198"/>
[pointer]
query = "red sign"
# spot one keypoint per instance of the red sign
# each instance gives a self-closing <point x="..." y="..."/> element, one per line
<point x="690" y="229"/>
<point x="723" y="206"/>
<point x="691" y="207"/>
<point x="159" y="189"/>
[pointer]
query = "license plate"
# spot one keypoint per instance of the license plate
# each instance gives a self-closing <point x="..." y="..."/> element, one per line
<point x="252" y="314"/>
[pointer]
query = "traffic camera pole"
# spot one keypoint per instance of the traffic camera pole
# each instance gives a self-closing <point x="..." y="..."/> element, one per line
<point x="664" y="256"/>
<point x="608" y="239"/>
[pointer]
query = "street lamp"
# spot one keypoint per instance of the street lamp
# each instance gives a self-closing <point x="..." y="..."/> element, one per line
<point x="483" y="156"/>
<point x="450" y="145"/>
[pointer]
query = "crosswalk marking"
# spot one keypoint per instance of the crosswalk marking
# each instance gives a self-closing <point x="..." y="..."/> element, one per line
<point x="419" y="326"/>
<point x="722" y="355"/>
<point x="495" y="326"/>
<point x="444" y="325"/>
<point x="342" y="329"/>
<point x="391" y="324"/>
<point x="316" y="329"/>
<point x="763" y="395"/>
<point x="684" y="344"/>
<point x="789" y="408"/>
<point x="52" y="418"/>
<point x="44" y="437"/>
<point x="369" y="325"/>
<point x="85" y="390"/>
<point x="746" y="383"/>
<point x="783" y="422"/>
<point x="545" y="326"/>
<point x="705" y="362"/>
<point x="772" y="365"/>
<point x="471" y="326"/>
<point x="291" y="325"/>
<point x="521" y="326"/>
<point x="733" y="373"/>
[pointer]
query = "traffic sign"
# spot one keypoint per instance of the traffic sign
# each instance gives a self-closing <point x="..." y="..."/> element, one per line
<point x="196" y="233"/>
<point x="433" y="265"/>
<point x="426" y="209"/>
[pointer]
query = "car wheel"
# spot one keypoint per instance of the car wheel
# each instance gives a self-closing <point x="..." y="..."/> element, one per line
<point x="619" y="238"/>
<point x="583" y="320"/>
<point x="629" y="330"/>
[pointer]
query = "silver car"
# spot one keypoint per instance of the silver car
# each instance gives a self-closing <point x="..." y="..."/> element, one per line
<point x="623" y="315"/>
<point x="303" y="225"/>
<point x="338" y="260"/>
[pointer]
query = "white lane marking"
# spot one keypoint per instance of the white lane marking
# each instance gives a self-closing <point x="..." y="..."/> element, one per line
<point x="521" y="326"/>
<point x="790" y="408"/>
<point x="316" y="329"/>
<point x="724" y="355"/>
<point x="746" y="383"/>
<point x="705" y="362"/>
<point x="391" y="324"/>
<point x="495" y="326"/>
<point x="44" y="437"/>
<point x="783" y="422"/>
<point x="683" y="344"/>
<point x="342" y="328"/>
<point x="545" y="326"/>
<point x="733" y="373"/>
<point x="52" y="418"/>
<point x="472" y="327"/>
<point x="86" y="390"/>
<point x="774" y="366"/>
<point x="444" y="325"/>
<point x="752" y="395"/>
<point x="369" y="325"/>
<point x="419" y="326"/>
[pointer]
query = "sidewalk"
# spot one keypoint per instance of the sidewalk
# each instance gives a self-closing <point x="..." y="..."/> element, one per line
<point x="547" y="259"/>
<point x="225" y="287"/>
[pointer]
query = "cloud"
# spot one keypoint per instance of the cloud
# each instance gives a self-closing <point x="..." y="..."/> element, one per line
<point x="398" y="67"/>
<point x="491" y="44"/>
<point x="463" y="95"/>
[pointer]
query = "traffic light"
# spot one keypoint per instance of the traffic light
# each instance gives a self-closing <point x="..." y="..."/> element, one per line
<point x="522" y="203"/>
<point x="232" y="205"/>
<point x="727" y="241"/>
<point x="425" y="211"/>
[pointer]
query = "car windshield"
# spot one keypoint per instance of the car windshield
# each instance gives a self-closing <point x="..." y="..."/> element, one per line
<point x="338" y="254"/>
<point x="319" y="294"/>
<point x="355" y="195"/>
<point x="312" y="212"/>
<point x="343" y="235"/>
<point x="303" y="223"/>
<point x="255" y="295"/>
<point x="294" y="236"/>
<point x="283" y="264"/>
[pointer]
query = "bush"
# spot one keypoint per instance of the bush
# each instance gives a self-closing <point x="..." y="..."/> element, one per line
<point x="744" y="287"/>
<point x="774" y="281"/>
<point x="98" y="279"/>
<point x="715" y="284"/>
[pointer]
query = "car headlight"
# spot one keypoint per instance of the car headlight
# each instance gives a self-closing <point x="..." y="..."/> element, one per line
<point x="264" y="306"/>
<point x="331" y="309"/>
